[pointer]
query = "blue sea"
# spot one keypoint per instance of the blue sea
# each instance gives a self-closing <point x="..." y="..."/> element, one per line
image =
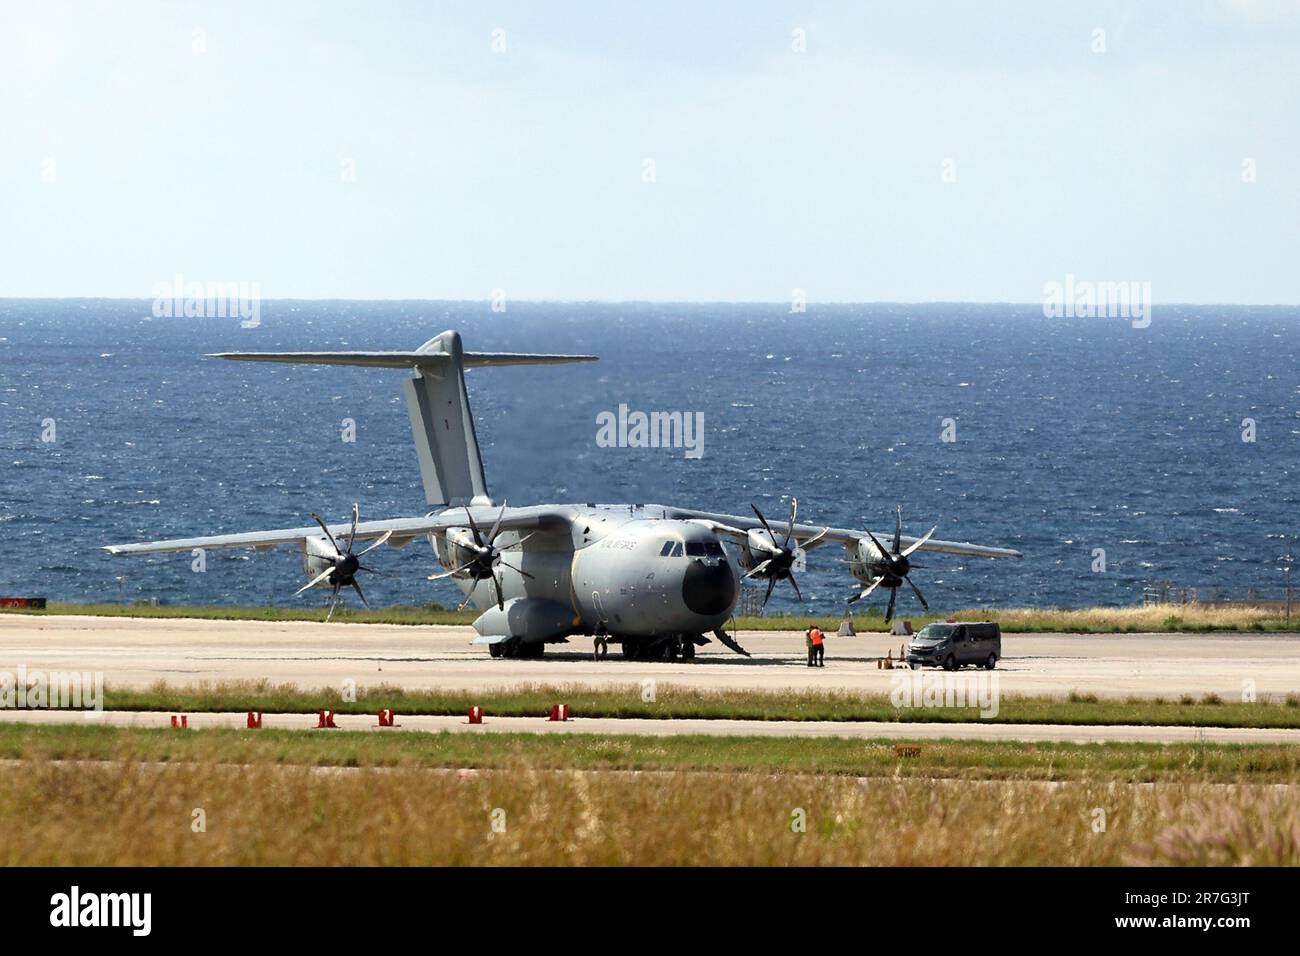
<point x="1071" y="435"/>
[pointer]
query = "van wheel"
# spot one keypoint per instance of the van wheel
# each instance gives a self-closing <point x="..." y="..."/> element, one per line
<point x="991" y="663"/>
<point x="950" y="663"/>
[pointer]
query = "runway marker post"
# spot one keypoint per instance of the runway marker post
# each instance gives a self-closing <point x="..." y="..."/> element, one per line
<point x="181" y="722"/>
<point x="254" y="720"/>
<point x="559" y="712"/>
<point x="476" y="715"/>
<point x="387" y="717"/>
<point x="325" y="720"/>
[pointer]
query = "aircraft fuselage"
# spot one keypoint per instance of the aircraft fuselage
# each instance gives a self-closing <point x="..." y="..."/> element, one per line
<point x="607" y="570"/>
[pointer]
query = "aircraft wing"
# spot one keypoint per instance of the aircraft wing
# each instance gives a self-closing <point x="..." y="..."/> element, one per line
<point x="737" y="526"/>
<point x="404" y="530"/>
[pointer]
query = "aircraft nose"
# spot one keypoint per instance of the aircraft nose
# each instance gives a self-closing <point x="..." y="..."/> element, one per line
<point x="708" y="589"/>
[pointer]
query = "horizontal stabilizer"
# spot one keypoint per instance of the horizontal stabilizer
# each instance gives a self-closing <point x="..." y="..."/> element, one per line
<point x="446" y="447"/>
<point x="431" y="360"/>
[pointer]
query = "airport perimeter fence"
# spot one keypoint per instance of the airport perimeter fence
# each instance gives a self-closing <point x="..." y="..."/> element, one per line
<point x="1272" y="598"/>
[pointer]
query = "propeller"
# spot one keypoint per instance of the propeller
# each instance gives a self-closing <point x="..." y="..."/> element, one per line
<point x="344" y="563"/>
<point x="779" y="558"/>
<point x="486" y="557"/>
<point x="891" y="567"/>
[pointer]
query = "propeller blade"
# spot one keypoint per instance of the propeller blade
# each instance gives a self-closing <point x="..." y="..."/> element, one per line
<point x="867" y="592"/>
<point x="898" y="530"/>
<point x="880" y="547"/>
<point x="889" y="611"/>
<point x="361" y="594"/>
<point x="795" y="585"/>
<point x="327" y="532"/>
<point x="501" y="598"/>
<point x="386" y="535"/>
<point x="314" y="581"/>
<point x="814" y="539"/>
<point x="447" y="574"/>
<point x="517" y="570"/>
<point x="478" y="538"/>
<point x="794" y="510"/>
<point x="469" y="594"/>
<point x="916" y="544"/>
<point x="766" y="526"/>
<point x="759" y="568"/>
<point x="352" y="535"/>
<point x="771" y="583"/>
<point x="726" y="529"/>
<point x="519" y="543"/>
<point x="334" y="602"/>
<point x="492" y="535"/>
<point x="917" y="591"/>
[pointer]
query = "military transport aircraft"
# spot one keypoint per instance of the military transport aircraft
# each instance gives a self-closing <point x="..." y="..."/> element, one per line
<point x="655" y="578"/>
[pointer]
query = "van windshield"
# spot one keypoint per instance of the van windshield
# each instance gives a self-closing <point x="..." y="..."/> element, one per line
<point x="937" y="631"/>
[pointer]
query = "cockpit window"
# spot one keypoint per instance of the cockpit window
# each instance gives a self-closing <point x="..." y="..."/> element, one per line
<point x="700" y="549"/>
<point x="666" y="550"/>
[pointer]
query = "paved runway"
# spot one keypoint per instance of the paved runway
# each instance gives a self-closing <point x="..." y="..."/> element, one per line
<point x="865" y="730"/>
<point x="137" y="652"/>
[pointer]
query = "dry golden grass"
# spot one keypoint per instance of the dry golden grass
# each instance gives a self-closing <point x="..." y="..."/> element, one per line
<point x="1153" y="618"/>
<point x="126" y="813"/>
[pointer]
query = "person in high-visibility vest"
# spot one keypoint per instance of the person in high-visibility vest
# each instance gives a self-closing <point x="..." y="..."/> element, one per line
<point x="817" y="649"/>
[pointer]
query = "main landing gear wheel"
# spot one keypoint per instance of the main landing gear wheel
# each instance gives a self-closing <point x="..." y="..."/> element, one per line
<point x="495" y="650"/>
<point x="688" y="650"/>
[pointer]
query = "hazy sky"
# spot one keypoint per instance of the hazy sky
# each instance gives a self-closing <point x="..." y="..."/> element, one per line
<point x="216" y="140"/>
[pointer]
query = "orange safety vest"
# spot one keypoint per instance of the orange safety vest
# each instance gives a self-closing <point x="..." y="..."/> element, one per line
<point x="816" y="636"/>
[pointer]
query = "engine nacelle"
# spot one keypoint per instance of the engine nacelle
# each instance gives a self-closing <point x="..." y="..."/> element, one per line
<point x="317" y="555"/>
<point x="866" y="562"/>
<point x="756" y="549"/>
<point x="455" y="548"/>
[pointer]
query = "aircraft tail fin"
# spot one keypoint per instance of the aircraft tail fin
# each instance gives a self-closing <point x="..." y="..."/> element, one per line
<point x="442" y="425"/>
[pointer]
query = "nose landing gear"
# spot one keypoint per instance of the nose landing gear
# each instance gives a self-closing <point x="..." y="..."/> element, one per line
<point x="517" y="649"/>
<point x="671" y="647"/>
